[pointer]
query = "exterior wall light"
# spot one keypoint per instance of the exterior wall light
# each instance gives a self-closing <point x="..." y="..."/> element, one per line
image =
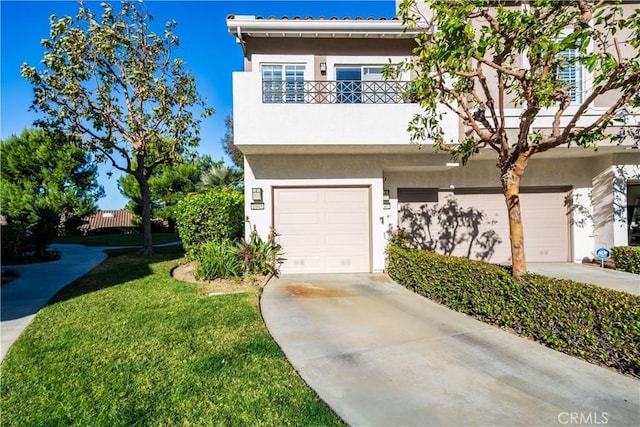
<point x="323" y="68"/>
<point x="386" y="202"/>
<point x="256" y="195"/>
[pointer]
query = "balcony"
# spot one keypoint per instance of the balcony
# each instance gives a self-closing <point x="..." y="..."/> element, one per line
<point x="334" y="92"/>
<point x="322" y="116"/>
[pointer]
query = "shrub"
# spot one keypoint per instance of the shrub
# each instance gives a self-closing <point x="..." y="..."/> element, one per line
<point x="258" y="256"/>
<point x="13" y="244"/>
<point x="627" y="258"/>
<point x="599" y="325"/>
<point x="217" y="259"/>
<point x="216" y="216"/>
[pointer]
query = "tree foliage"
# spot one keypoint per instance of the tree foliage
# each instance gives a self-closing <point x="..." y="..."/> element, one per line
<point x="115" y="82"/>
<point x="480" y="59"/>
<point x="219" y="177"/>
<point x="44" y="172"/>
<point x="228" y="145"/>
<point x="168" y="185"/>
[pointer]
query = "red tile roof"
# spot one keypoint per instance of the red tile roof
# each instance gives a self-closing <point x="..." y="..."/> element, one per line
<point x="107" y="219"/>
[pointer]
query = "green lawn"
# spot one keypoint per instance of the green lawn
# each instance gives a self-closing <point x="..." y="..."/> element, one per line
<point x="116" y="239"/>
<point x="129" y="345"/>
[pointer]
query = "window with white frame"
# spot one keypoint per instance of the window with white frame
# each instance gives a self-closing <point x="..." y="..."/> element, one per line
<point x="571" y="72"/>
<point x="282" y="83"/>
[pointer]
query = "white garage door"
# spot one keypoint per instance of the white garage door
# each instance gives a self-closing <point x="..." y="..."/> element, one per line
<point x="544" y="215"/>
<point x="323" y="230"/>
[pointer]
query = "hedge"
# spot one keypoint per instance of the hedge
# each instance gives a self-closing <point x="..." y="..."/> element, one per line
<point x="13" y="244"/>
<point x="215" y="215"/>
<point x="599" y="325"/>
<point x="626" y="258"/>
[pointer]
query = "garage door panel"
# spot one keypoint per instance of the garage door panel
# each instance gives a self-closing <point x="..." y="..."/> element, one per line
<point x="301" y="264"/>
<point x="544" y="219"/>
<point x="345" y="264"/>
<point x="353" y="196"/>
<point x="343" y="245"/>
<point x="296" y="197"/>
<point x="344" y="218"/>
<point x="323" y="230"/>
<point x="311" y="242"/>
<point x="296" y="219"/>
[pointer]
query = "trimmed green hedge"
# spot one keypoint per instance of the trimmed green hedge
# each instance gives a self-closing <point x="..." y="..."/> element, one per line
<point x="215" y="215"/>
<point x="626" y="258"/>
<point x="598" y="325"/>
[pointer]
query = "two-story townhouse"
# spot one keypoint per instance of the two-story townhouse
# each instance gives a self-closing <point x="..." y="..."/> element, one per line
<point x="330" y="166"/>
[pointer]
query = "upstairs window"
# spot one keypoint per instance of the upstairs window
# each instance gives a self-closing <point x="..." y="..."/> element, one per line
<point x="283" y="83"/>
<point x="571" y="73"/>
<point x="365" y="84"/>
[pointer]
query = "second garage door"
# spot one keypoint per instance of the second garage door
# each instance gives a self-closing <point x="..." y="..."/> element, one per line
<point x="545" y="220"/>
<point x="323" y="229"/>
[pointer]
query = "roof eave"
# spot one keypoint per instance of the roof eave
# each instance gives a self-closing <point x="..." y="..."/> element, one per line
<point x="250" y="26"/>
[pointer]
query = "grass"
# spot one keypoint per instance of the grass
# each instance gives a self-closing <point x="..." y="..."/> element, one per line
<point x="116" y="239"/>
<point x="129" y="345"/>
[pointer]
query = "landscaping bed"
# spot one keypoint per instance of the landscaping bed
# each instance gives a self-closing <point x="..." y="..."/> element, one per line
<point x="599" y="325"/>
<point x="187" y="273"/>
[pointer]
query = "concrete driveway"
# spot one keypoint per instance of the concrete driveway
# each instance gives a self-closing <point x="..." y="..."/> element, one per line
<point x="589" y="273"/>
<point x="380" y="355"/>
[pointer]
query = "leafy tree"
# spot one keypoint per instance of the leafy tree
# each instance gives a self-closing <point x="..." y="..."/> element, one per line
<point x="168" y="185"/>
<point x="219" y="177"/>
<point x="46" y="177"/>
<point x="229" y="147"/>
<point x="469" y="58"/>
<point x="116" y="83"/>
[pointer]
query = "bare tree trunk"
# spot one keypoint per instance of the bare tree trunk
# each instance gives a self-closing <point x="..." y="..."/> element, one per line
<point x="511" y="190"/>
<point x="147" y="239"/>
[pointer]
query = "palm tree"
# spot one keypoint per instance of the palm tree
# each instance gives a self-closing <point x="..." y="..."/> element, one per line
<point x="220" y="176"/>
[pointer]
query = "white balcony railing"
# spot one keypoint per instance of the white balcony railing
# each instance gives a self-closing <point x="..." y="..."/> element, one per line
<point x="310" y="115"/>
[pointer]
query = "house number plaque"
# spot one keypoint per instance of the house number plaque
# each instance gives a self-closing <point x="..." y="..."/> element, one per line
<point x="257" y="206"/>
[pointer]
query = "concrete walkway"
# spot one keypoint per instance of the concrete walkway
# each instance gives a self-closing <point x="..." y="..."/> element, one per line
<point x="38" y="283"/>
<point x="589" y="273"/>
<point x="380" y="355"/>
<point x="23" y="297"/>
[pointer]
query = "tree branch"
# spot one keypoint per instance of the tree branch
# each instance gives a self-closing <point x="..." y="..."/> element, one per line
<point x="487" y="93"/>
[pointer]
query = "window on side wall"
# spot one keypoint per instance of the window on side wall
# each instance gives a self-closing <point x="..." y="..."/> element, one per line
<point x="282" y="83"/>
<point x="572" y="73"/>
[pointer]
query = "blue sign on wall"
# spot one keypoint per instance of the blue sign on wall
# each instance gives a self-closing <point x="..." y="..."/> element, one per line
<point x="603" y="253"/>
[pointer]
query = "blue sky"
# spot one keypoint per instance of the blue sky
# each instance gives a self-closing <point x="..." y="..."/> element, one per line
<point x="209" y="50"/>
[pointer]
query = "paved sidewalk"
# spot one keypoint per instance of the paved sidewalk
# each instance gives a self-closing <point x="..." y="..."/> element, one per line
<point x="589" y="273"/>
<point x="23" y="297"/>
<point x="38" y="283"/>
<point x="379" y="354"/>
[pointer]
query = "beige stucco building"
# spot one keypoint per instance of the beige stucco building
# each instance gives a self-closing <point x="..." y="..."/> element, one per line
<point x="329" y="163"/>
